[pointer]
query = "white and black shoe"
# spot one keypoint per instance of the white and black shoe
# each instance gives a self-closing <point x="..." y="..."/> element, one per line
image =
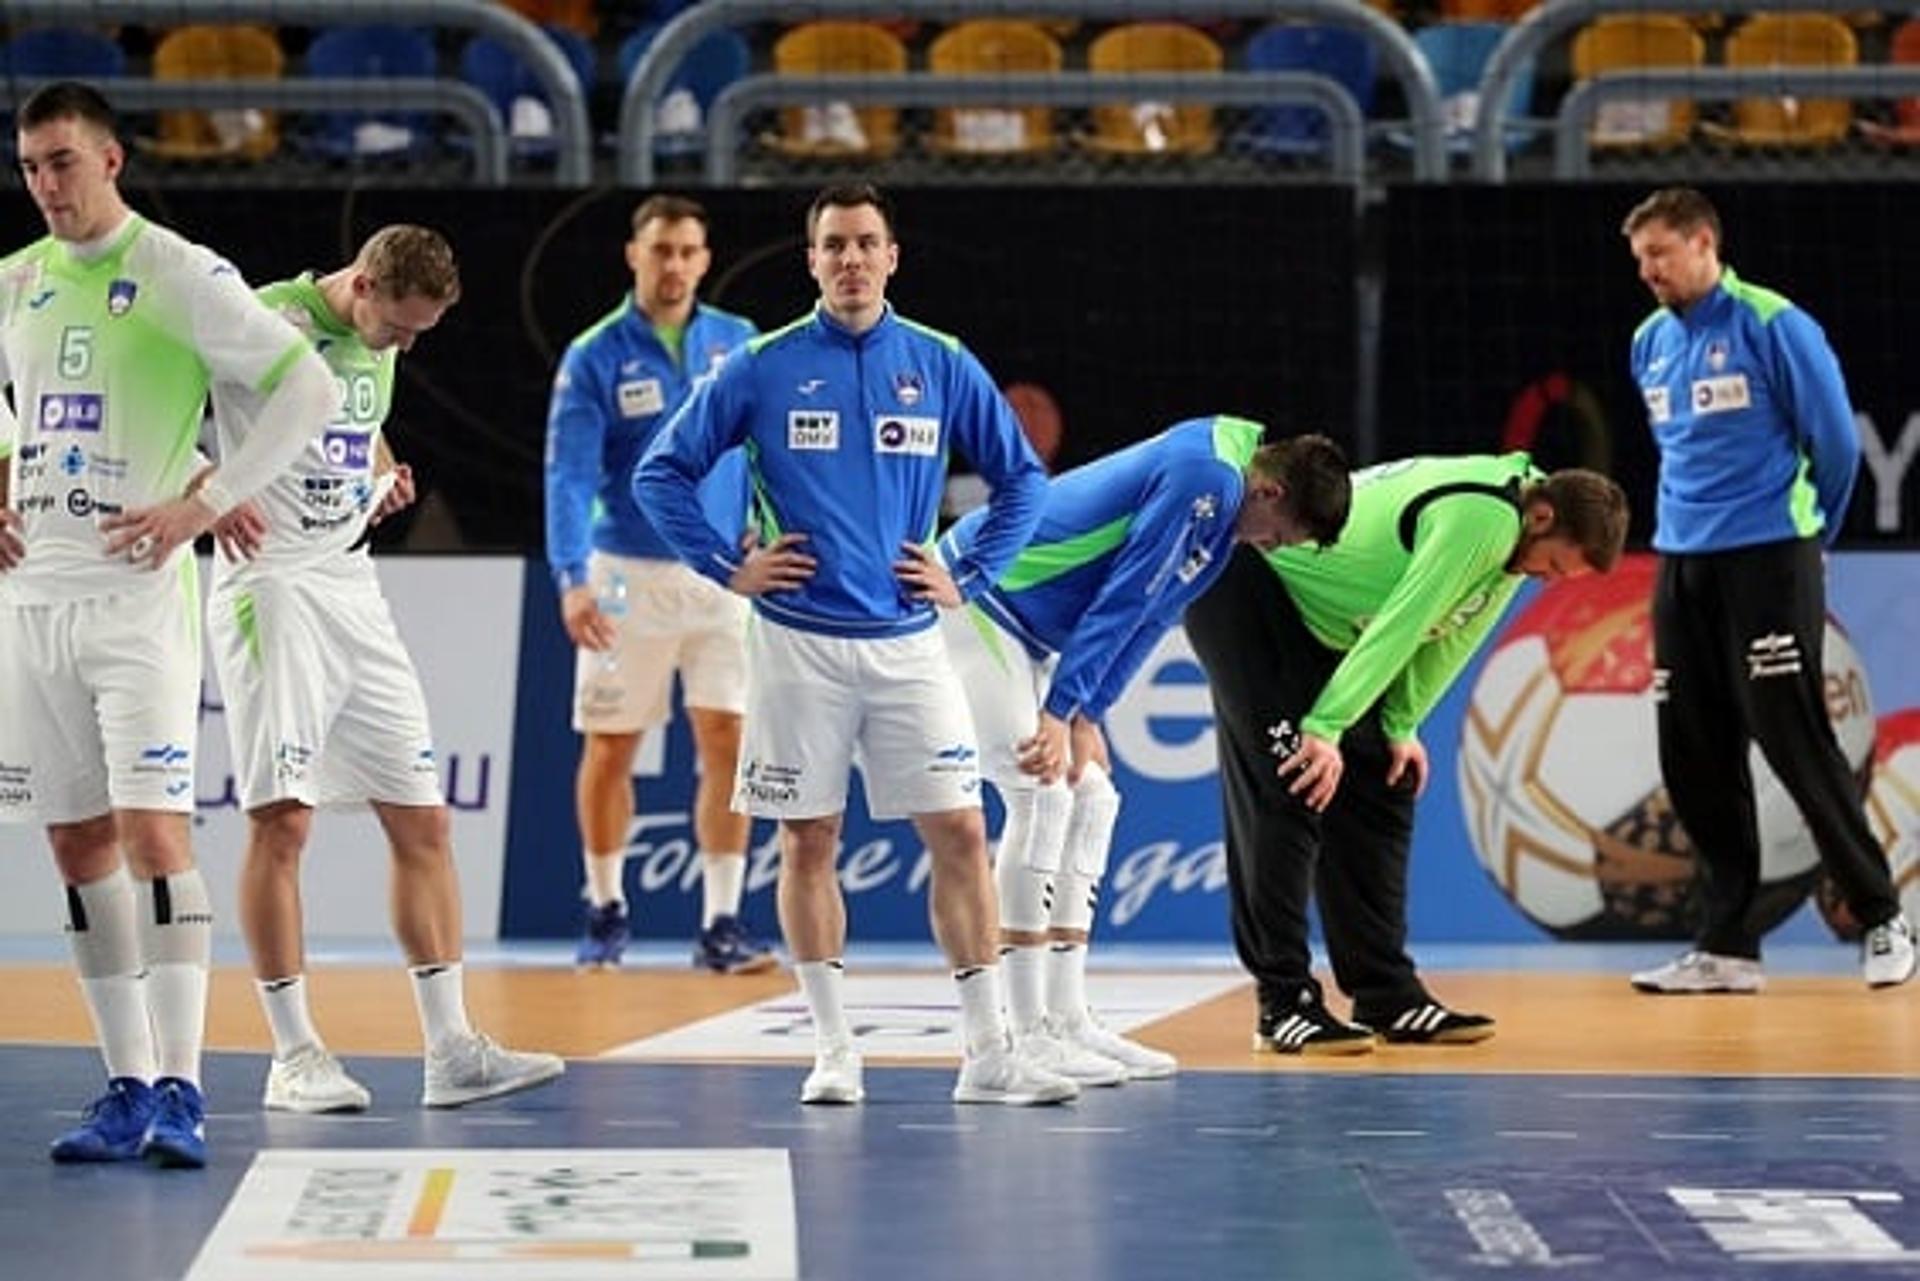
<point x="1887" y="954"/>
<point x="1308" y="1027"/>
<point x="1696" y="973"/>
<point x="1427" y="1022"/>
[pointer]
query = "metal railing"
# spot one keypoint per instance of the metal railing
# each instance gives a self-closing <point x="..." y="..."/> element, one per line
<point x="725" y="121"/>
<point x="678" y="38"/>
<point x="1573" y="145"/>
<point x="566" y="96"/>
<point x="1557" y="18"/>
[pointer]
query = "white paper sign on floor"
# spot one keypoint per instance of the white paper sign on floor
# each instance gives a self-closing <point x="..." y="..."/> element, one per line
<point x="530" y="1214"/>
<point x="907" y="1016"/>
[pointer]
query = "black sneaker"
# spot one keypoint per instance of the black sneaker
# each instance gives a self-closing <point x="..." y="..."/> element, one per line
<point x="1308" y="1027"/>
<point x="1428" y="1022"/>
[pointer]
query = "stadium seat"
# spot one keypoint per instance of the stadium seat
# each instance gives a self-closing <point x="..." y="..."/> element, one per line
<point x="1154" y="128"/>
<point x="680" y="113"/>
<point x="1905" y="129"/>
<point x="1458" y="53"/>
<point x="53" y="53"/>
<point x="1339" y="53"/>
<point x="1790" y="40"/>
<point x="1627" y="42"/>
<point x="367" y="53"/>
<point x="990" y="47"/>
<point x="838" y="128"/>
<point x="1486" y="10"/>
<point x="578" y="16"/>
<point x="516" y="93"/>
<point x="218" y="53"/>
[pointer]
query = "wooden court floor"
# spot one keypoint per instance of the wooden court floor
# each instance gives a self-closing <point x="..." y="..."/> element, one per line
<point x="1806" y="1026"/>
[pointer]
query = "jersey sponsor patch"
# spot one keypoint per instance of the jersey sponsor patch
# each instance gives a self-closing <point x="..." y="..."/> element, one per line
<point x="900" y="434"/>
<point x="72" y="411"/>
<point x="1721" y="395"/>
<point x="349" y="450"/>
<point x="1659" y="404"/>
<point x="813" y="429"/>
<point x="640" y="397"/>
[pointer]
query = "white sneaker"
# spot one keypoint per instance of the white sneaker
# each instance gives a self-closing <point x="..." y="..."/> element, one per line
<point x="1887" y="953"/>
<point x="1703" y="972"/>
<point x="998" y="1075"/>
<point x="1050" y="1053"/>
<point x="312" y="1080"/>
<point x="836" y="1076"/>
<point x="1142" y="1062"/>
<point x="474" y="1067"/>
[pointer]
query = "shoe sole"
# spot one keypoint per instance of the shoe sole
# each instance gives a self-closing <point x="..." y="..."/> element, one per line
<point x="93" y="1158"/>
<point x="164" y="1157"/>
<point x="1314" y="1049"/>
<point x="1881" y="984"/>
<point x="315" y="1109"/>
<point x="758" y="965"/>
<point x="1654" y="989"/>
<point x="1035" y="1100"/>
<point x="464" y="1097"/>
<point x="1455" y="1036"/>
<point x="1152" y="1073"/>
<point x="834" y="1098"/>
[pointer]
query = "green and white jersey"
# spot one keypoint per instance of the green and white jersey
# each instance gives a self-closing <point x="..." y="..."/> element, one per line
<point x="111" y="357"/>
<point x="317" y="509"/>
<point x="1413" y="586"/>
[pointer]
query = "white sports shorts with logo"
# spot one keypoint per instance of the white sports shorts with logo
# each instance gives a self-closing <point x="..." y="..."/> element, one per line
<point x="675" y="621"/>
<point x="1006" y="688"/>
<point x="322" y="701"/>
<point x="100" y="702"/>
<point x="817" y="705"/>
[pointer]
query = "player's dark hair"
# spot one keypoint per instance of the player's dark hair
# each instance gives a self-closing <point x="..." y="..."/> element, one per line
<point x="668" y="208"/>
<point x="849" y="195"/>
<point x="1681" y="208"/>
<point x="1589" y="510"/>
<point x="67" y="100"/>
<point x="1313" y="471"/>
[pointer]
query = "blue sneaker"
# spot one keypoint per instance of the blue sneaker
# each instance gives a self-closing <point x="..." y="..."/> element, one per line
<point x="725" y="947"/>
<point x="113" y="1126"/>
<point x="605" y="940"/>
<point x="178" y="1137"/>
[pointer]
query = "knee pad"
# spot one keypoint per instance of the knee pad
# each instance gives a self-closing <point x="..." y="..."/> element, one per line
<point x="1096" y="808"/>
<point x="1038" y="819"/>
<point x="176" y="919"/>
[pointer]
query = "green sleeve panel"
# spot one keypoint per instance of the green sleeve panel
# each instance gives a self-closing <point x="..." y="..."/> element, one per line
<point x="1435" y="665"/>
<point x="1459" y="542"/>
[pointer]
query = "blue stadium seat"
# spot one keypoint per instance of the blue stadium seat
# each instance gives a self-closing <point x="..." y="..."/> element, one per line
<point x="514" y="91"/>
<point x="680" y="113"/>
<point x="1339" y="53"/>
<point x="1458" y="53"/>
<point x="55" y="53"/>
<point x="366" y="53"/>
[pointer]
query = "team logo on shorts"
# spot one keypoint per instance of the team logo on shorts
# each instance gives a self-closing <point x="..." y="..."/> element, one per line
<point x="120" y="296"/>
<point x="908" y="389"/>
<point x="774" y="784"/>
<point x="16" y="785"/>
<point x="958" y="759"/>
<point x="899" y="434"/>
<point x="291" y="761"/>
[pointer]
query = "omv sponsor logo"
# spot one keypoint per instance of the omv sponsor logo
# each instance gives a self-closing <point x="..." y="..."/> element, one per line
<point x="72" y="411"/>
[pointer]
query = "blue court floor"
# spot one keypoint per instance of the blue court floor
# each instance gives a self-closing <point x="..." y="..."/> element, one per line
<point x="1213" y="1176"/>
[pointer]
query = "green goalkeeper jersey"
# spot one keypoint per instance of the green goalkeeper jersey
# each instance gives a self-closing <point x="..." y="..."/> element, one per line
<point x="111" y="350"/>
<point x="1413" y="586"/>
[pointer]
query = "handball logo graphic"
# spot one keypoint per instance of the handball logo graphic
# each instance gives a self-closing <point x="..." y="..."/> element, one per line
<point x="1560" y="771"/>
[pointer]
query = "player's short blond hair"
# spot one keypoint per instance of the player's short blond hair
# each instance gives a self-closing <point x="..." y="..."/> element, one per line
<point x="405" y="261"/>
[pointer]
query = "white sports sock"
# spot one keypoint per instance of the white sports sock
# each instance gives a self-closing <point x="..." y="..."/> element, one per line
<point x="981" y="1027"/>
<point x="285" y="1003"/>
<point x="603" y="877"/>
<point x="1024" y="968"/>
<point x="823" y="983"/>
<point x="1067" y="981"/>
<point x="439" y="992"/>
<point x="176" y="937"/>
<point x="104" y="932"/>
<point x="724" y="877"/>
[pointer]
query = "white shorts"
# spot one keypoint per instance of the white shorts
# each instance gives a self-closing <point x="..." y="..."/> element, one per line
<point x="100" y="702"/>
<point x="1006" y="688"/>
<point x="323" y="704"/>
<point x="675" y="621"/>
<point x="817" y="704"/>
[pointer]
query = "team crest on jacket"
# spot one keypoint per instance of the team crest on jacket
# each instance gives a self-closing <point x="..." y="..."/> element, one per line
<point x="120" y="295"/>
<point x="1717" y="353"/>
<point x="907" y="388"/>
<point x="1205" y="506"/>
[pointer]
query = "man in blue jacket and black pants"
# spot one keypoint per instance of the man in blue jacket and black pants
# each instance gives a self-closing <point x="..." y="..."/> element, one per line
<point x="1758" y="454"/>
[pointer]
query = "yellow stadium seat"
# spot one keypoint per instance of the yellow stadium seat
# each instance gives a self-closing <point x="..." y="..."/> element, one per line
<point x="1791" y="40"/>
<point x="838" y="128"/>
<point x="990" y="47"/>
<point x="218" y="53"/>
<point x="1628" y="42"/>
<point x="1154" y="128"/>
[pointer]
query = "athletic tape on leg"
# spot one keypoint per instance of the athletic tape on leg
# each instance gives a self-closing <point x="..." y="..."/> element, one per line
<point x="176" y="919"/>
<point x="1096" y="808"/>
<point x="101" y="926"/>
